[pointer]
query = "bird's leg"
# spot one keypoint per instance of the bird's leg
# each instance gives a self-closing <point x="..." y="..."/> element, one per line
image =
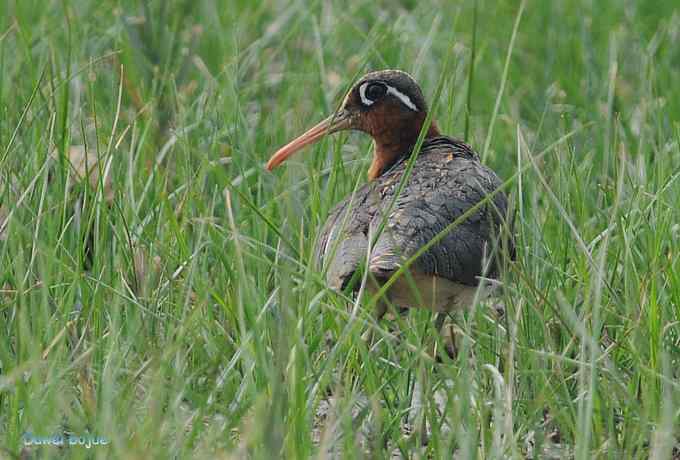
<point x="378" y="314"/>
<point x="380" y="310"/>
<point x="447" y="337"/>
<point x="382" y="306"/>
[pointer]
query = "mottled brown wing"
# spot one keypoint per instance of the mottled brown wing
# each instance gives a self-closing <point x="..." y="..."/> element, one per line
<point x="445" y="182"/>
<point x="342" y="244"/>
<point x="438" y="193"/>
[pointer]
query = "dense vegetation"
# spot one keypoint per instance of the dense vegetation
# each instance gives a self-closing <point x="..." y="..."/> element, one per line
<point x="157" y="286"/>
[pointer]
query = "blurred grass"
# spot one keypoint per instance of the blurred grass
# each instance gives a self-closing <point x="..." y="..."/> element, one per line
<point x="166" y="302"/>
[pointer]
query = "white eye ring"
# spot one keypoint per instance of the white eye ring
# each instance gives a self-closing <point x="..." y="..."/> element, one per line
<point x="362" y="94"/>
<point x="390" y="90"/>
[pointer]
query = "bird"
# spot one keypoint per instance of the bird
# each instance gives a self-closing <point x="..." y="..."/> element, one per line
<point x="446" y="180"/>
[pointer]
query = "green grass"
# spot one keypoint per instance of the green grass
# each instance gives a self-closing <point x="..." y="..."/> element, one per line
<point x="170" y="304"/>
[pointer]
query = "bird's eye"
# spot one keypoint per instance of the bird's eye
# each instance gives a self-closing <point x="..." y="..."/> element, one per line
<point x="375" y="91"/>
<point x="371" y="92"/>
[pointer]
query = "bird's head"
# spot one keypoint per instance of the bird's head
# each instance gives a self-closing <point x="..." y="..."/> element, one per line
<point x="388" y="105"/>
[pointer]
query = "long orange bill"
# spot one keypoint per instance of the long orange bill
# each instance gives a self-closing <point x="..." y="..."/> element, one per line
<point x="334" y="123"/>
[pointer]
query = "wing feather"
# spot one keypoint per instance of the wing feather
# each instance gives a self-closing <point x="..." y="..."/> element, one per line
<point x="446" y="181"/>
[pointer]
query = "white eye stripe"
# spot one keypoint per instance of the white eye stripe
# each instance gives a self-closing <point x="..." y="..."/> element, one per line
<point x="402" y="97"/>
<point x="390" y="90"/>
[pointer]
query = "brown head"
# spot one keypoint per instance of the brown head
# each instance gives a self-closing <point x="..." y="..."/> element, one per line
<point x="388" y="105"/>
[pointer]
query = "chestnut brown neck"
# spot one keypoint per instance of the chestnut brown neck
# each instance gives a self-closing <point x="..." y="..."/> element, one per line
<point x="392" y="145"/>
